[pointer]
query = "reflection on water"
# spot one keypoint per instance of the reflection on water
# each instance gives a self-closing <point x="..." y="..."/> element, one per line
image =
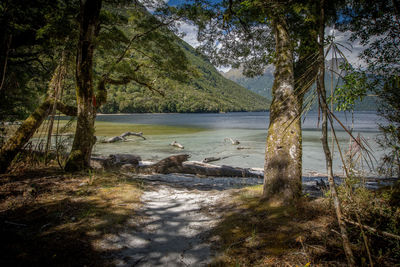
<point x="364" y="120"/>
<point x="249" y="128"/>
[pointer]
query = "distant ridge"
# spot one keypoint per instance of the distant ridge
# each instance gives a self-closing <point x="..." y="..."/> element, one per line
<point x="262" y="85"/>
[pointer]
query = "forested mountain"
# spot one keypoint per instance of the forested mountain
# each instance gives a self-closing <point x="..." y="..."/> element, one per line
<point x="206" y="90"/>
<point x="262" y="84"/>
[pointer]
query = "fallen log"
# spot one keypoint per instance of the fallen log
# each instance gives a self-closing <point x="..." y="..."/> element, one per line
<point x="123" y="136"/>
<point x="234" y="142"/>
<point x="139" y="134"/>
<point x="176" y="144"/>
<point x="211" y="159"/>
<point x="374" y="230"/>
<point x="179" y="164"/>
<point x="168" y="165"/>
<point x="199" y="168"/>
<point x="113" y="139"/>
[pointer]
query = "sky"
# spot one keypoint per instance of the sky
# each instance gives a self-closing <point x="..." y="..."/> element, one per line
<point x="355" y="48"/>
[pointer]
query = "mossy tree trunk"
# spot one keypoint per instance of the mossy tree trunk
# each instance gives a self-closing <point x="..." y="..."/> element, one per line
<point x="25" y="132"/>
<point x="282" y="169"/>
<point x="84" y="140"/>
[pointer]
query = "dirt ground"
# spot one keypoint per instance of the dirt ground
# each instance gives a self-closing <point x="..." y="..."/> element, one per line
<point x="50" y="218"/>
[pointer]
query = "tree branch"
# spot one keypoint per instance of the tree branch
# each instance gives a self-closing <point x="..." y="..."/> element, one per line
<point x="374" y="230"/>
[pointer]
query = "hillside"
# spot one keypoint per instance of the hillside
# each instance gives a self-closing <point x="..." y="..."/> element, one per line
<point x="262" y="85"/>
<point x="208" y="91"/>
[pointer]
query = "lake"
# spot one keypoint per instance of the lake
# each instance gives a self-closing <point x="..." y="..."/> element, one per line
<point x="250" y="128"/>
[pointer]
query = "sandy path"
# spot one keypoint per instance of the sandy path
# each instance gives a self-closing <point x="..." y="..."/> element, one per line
<point x="178" y="212"/>
<point x="175" y="219"/>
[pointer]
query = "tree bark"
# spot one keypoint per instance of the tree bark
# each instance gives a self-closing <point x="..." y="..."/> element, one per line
<point x="25" y="132"/>
<point x="282" y="168"/>
<point x="79" y="158"/>
<point x="324" y="139"/>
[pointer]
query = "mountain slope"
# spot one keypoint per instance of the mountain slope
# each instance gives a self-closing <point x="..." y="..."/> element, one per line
<point x="207" y="92"/>
<point x="262" y="85"/>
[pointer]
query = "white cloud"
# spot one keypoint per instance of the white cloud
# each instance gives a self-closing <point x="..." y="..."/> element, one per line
<point x="190" y="36"/>
<point x="223" y="68"/>
<point x="351" y="50"/>
<point x="190" y="32"/>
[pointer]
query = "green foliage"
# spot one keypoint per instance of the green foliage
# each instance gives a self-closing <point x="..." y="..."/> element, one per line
<point x="31" y="34"/>
<point x="382" y="57"/>
<point x="149" y="69"/>
<point x="354" y="87"/>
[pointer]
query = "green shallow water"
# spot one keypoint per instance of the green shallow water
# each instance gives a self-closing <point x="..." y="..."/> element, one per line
<point x="212" y="143"/>
<point x="203" y="136"/>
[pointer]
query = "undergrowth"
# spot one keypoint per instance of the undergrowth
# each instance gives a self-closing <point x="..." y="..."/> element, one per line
<point x="377" y="209"/>
<point x="256" y="233"/>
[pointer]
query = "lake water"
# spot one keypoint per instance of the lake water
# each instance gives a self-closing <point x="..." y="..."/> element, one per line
<point x="250" y="128"/>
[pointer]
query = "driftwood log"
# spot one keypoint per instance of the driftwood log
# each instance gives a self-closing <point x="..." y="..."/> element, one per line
<point x="233" y="141"/>
<point x="123" y="136"/>
<point x="168" y="165"/>
<point x="242" y="147"/>
<point x="211" y="159"/>
<point x="171" y="164"/>
<point x="176" y="144"/>
<point x="179" y="164"/>
<point x="199" y="168"/>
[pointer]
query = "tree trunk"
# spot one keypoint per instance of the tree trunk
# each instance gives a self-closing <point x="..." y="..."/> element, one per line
<point x="25" y="132"/>
<point x="328" y="157"/>
<point x="282" y="169"/>
<point x="79" y="158"/>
